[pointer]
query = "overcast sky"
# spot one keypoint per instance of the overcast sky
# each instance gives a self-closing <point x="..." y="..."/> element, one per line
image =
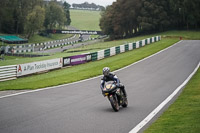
<point x="97" y="2"/>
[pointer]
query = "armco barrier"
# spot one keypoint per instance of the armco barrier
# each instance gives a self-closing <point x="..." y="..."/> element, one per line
<point x="8" y="72"/>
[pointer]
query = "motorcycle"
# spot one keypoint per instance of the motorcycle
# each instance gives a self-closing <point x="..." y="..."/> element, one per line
<point x="115" y="96"/>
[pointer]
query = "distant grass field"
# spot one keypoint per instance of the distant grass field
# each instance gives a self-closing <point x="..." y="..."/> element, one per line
<point x="85" y="20"/>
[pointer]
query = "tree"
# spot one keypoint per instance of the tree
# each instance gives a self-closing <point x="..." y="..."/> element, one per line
<point x="120" y="19"/>
<point x="13" y="14"/>
<point x="153" y="16"/>
<point x="130" y="11"/>
<point x="66" y="7"/>
<point x="191" y="13"/>
<point x="106" y="22"/>
<point x="86" y="5"/>
<point x="54" y="16"/>
<point x="35" y="20"/>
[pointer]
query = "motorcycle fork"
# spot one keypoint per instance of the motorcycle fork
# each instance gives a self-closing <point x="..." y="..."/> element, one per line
<point x="115" y="96"/>
<point x="119" y="98"/>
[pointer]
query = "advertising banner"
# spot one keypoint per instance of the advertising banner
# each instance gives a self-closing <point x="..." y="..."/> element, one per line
<point x="76" y="60"/>
<point x="83" y="32"/>
<point x="30" y="68"/>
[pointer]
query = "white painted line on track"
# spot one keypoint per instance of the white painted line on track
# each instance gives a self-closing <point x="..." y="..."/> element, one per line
<point x="89" y="78"/>
<point x="167" y="100"/>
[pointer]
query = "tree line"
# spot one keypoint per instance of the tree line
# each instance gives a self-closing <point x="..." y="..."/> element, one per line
<point x="30" y="16"/>
<point x="126" y="18"/>
<point x="86" y="5"/>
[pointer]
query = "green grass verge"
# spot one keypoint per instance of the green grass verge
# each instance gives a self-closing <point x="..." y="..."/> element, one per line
<point x="84" y="71"/>
<point x="186" y="35"/>
<point x="52" y="37"/>
<point x="183" y="116"/>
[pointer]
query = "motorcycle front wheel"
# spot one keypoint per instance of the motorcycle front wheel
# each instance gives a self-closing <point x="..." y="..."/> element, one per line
<point x="124" y="101"/>
<point x="114" y="102"/>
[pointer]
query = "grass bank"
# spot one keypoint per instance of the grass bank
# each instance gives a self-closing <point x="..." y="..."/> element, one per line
<point x="183" y="116"/>
<point x="85" y="71"/>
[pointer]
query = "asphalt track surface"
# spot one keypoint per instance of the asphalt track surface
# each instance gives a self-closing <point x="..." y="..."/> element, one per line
<point x="80" y="107"/>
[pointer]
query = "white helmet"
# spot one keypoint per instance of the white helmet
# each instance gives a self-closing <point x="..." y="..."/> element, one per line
<point x="106" y="71"/>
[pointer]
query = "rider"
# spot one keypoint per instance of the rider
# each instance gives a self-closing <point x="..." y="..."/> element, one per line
<point x="108" y="76"/>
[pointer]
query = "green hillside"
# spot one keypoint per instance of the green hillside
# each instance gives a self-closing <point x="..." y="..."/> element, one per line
<point x="85" y="20"/>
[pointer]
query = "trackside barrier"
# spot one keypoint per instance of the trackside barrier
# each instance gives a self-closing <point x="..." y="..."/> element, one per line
<point x="123" y="48"/>
<point x="100" y="54"/>
<point x="107" y="53"/>
<point x="117" y="49"/>
<point x="45" y="45"/>
<point x="130" y="46"/>
<point x="137" y="44"/>
<point x="126" y="47"/>
<point x="112" y="51"/>
<point x="14" y="71"/>
<point x="76" y="60"/>
<point x="39" y="66"/>
<point x="8" y="72"/>
<point x="94" y="56"/>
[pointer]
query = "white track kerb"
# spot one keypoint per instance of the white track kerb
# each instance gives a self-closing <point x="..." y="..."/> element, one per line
<point x="152" y="114"/>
